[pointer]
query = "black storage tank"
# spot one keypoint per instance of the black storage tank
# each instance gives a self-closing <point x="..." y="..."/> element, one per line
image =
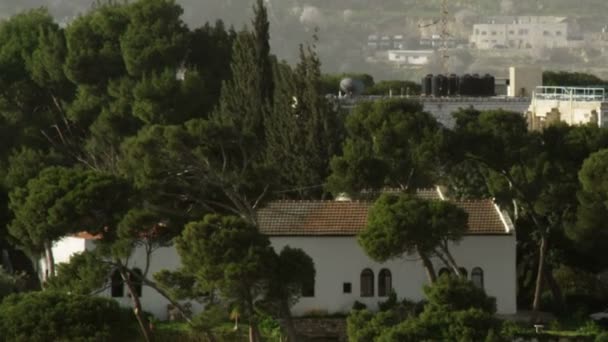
<point x="464" y="86"/>
<point x="438" y="83"/>
<point x="476" y="86"/>
<point x="427" y="85"/>
<point x="453" y="85"/>
<point x="488" y="85"/>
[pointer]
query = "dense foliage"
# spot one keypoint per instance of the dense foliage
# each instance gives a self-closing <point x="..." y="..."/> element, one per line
<point x="52" y="316"/>
<point x="455" y="310"/>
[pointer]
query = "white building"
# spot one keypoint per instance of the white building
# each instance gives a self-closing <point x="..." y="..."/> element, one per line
<point x="523" y="33"/>
<point x="161" y="259"/>
<point x="574" y="106"/>
<point x="326" y="231"/>
<point x="410" y="57"/>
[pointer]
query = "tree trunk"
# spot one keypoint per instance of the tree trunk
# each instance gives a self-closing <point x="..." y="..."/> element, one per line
<point x="428" y="266"/>
<point x="254" y="333"/>
<point x="144" y="325"/>
<point x="556" y="291"/>
<point x="289" y="326"/>
<point x="451" y="261"/>
<point x="49" y="260"/>
<point x="540" y="273"/>
<point x="165" y="295"/>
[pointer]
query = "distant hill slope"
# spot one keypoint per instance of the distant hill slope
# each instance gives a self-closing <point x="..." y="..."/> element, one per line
<point x="345" y="24"/>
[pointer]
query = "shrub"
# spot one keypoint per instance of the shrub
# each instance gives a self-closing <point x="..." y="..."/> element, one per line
<point x="364" y="326"/>
<point x="53" y="316"/>
<point x="10" y="283"/>
<point x="357" y="305"/>
<point x="456" y="310"/>
<point x="455" y="294"/>
<point x="603" y="337"/>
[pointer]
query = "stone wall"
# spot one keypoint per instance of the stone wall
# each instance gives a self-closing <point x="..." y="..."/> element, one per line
<point x="322" y="329"/>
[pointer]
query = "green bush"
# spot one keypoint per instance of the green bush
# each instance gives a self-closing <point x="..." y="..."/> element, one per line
<point x="10" y="283"/>
<point x="52" y="316"/>
<point x="603" y="337"/>
<point x="456" y="310"/>
<point x="455" y="294"/>
<point x="357" y="305"/>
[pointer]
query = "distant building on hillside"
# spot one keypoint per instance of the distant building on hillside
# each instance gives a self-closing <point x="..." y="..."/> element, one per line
<point x="524" y="33"/>
<point x="574" y="106"/>
<point x="409" y="58"/>
<point x="386" y="42"/>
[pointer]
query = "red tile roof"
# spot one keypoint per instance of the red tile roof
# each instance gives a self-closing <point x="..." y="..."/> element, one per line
<point x="88" y="236"/>
<point x="332" y="218"/>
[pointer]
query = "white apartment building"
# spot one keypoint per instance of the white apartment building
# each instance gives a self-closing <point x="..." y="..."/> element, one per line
<point x="410" y="57"/>
<point x="574" y="106"/>
<point x="523" y="33"/>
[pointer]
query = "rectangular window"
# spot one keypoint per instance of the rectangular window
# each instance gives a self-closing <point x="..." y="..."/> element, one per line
<point x="347" y="288"/>
<point x="558" y="33"/>
<point x="493" y="33"/>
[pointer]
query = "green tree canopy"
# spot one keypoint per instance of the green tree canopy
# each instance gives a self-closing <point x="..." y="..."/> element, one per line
<point x="390" y="143"/>
<point x="405" y="224"/>
<point x="228" y="255"/>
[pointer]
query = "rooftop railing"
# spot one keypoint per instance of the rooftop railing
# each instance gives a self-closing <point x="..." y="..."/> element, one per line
<point x="570" y="93"/>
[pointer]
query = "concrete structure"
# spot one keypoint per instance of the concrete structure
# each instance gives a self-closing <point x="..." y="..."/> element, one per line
<point x="523" y="33"/>
<point x="327" y="231"/>
<point x="574" y="106"/>
<point x="523" y="81"/>
<point x="443" y="107"/>
<point x="410" y="57"/>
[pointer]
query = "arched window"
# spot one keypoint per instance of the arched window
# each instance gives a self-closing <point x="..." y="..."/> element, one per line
<point x="367" y="283"/>
<point x="135" y="277"/>
<point x="463" y="272"/>
<point x="477" y="277"/>
<point x="385" y="282"/>
<point x="117" y="287"/>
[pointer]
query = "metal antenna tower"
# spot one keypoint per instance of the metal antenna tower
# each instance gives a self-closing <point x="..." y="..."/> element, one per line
<point x="444" y="34"/>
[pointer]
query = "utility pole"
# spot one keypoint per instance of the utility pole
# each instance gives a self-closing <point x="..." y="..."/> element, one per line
<point x="444" y="35"/>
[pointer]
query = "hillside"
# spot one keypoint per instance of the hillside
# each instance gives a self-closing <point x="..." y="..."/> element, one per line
<point x="345" y="24"/>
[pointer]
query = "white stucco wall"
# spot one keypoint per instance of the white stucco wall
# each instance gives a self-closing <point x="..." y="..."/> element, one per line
<point x="62" y="252"/>
<point x="151" y="300"/>
<point x="162" y="258"/>
<point x="341" y="259"/>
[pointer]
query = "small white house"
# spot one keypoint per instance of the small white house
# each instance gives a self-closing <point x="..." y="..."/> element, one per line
<point x="162" y="258"/>
<point x="326" y="231"/>
<point x="410" y="57"/>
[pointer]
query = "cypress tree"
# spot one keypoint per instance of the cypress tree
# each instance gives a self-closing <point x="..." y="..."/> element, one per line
<point x="246" y="98"/>
<point x="304" y="131"/>
<point x="261" y="36"/>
